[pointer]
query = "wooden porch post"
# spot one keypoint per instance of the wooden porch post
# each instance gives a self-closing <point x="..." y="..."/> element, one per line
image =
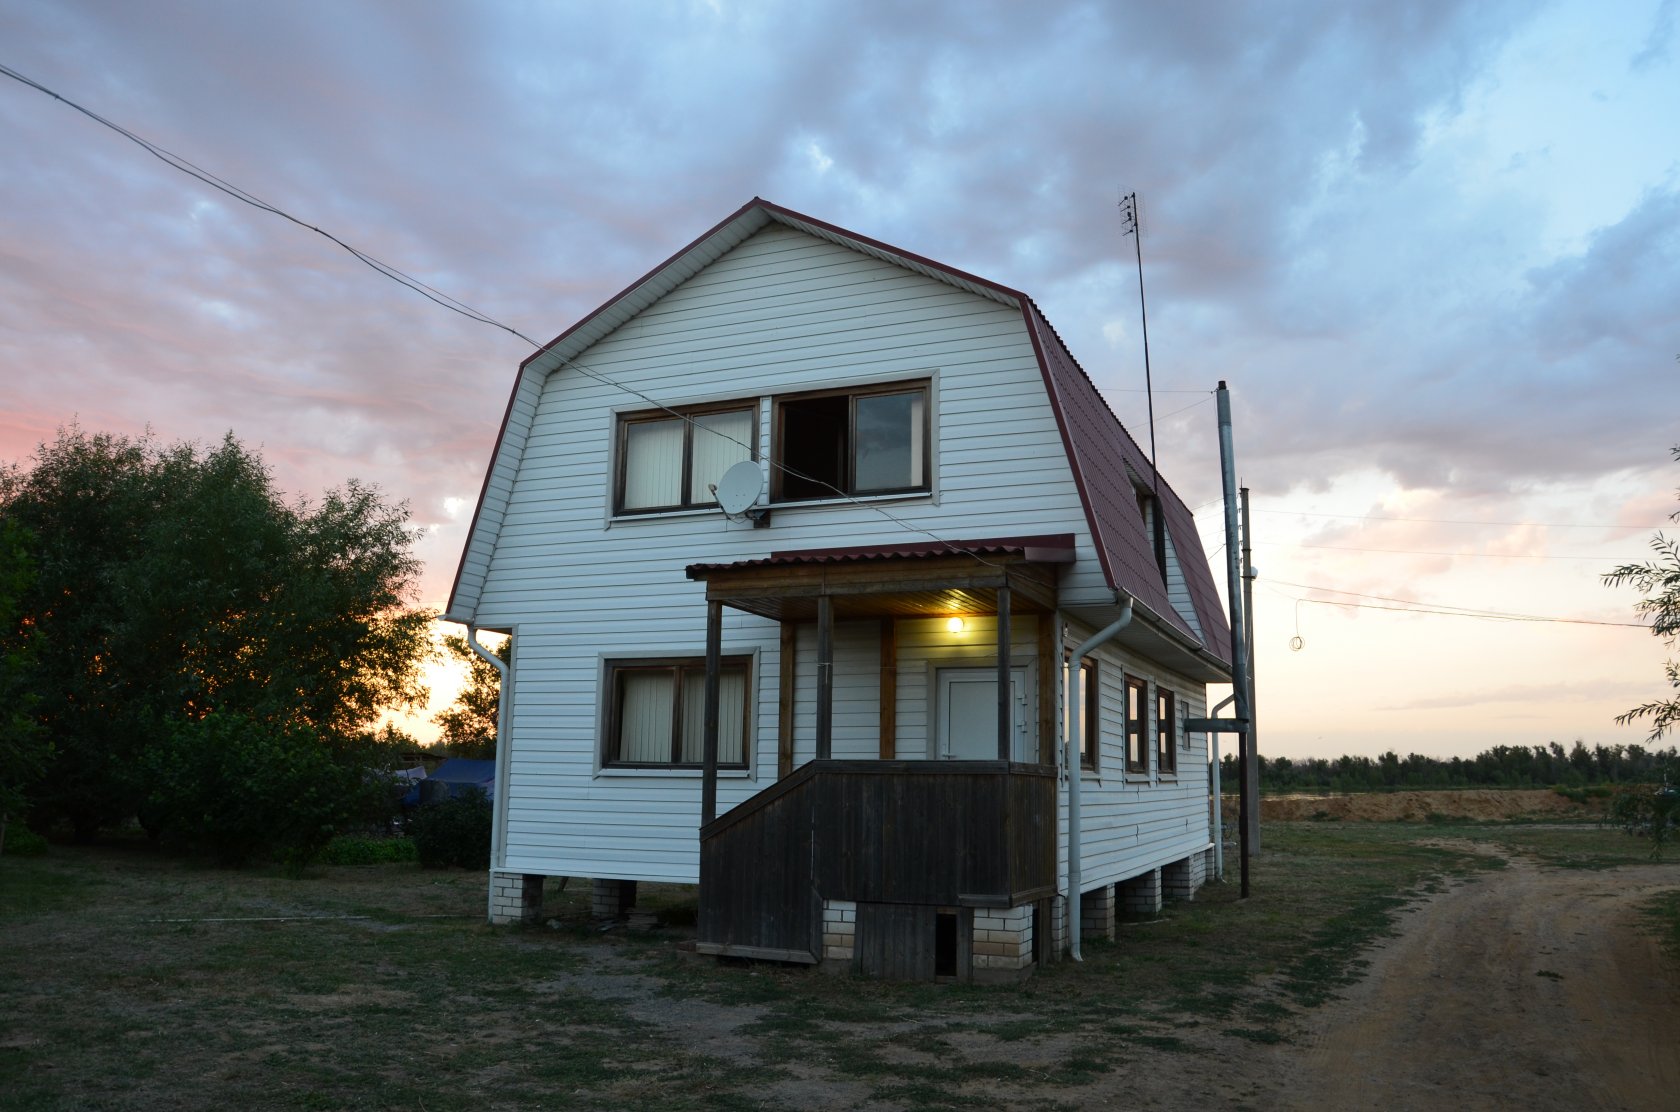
<point x="889" y="689"/>
<point x="825" y="677"/>
<point x="1047" y="665"/>
<point x="714" y="665"/>
<point x="1006" y="698"/>
<point x="784" y="707"/>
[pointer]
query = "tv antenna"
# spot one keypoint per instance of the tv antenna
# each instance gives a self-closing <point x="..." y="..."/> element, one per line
<point x="1129" y="214"/>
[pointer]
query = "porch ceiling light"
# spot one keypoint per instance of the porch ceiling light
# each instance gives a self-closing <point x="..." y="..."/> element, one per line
<point x="954" y="625"/>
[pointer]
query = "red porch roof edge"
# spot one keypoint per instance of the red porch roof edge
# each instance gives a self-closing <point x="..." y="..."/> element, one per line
<point x="1053" y="548"/>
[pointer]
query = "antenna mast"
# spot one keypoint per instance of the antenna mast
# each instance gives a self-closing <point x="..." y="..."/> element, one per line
<point x="1129" y="213"/>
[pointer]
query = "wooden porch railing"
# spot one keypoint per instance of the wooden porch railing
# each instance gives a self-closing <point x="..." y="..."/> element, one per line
<point x="926" y="833"/>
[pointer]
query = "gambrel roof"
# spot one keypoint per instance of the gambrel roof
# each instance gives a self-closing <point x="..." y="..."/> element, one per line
<point x="1103" y="456"/>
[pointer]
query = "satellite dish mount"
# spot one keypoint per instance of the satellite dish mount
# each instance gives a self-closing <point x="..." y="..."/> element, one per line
<point x="737" y="493"/>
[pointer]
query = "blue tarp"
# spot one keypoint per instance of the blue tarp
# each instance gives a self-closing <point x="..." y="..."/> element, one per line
<point x="453" y="777"/>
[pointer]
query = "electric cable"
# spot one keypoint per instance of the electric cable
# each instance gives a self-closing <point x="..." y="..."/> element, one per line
<point x="454" y="305"/>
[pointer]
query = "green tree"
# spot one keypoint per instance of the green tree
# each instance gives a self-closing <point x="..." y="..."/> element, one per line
<point x="469" y="723"/>
<point x="1658" y="580"/>
<point x="175" y="581"/>
<point x="24" y="747"/>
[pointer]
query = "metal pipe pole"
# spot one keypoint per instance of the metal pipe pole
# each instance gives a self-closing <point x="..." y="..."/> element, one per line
<point x="1248" y="636"/>
<point x="1233" y="589"/>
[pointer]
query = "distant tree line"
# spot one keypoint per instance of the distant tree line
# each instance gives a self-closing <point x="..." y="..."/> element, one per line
<point x="1503" y="766"/>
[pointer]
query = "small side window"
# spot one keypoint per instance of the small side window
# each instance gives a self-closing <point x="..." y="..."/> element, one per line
<point x="1137" y="726"/>
<point x="1089" y="725"/>
<point x="1166" y="730"/>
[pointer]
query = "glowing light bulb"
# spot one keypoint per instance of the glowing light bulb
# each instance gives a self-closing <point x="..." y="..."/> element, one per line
<point x="955" y="625"/>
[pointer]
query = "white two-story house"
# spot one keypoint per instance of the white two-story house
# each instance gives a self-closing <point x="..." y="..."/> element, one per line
<point x="844" y="709"/>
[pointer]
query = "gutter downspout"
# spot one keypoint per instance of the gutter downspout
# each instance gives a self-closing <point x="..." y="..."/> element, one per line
<point x="1218" y="818"/>
<point x="1076" y="730"/>
<point x="499" y="805"/>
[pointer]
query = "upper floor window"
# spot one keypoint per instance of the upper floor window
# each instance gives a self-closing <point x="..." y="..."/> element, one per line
<point x="668" y="462"/>
<point x="850" y="442"/>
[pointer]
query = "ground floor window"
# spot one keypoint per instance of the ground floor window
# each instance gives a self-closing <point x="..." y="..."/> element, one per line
<point x="656" y="713"/>
<point x="1137" y="725"/>
<point x="1088" y="691"/>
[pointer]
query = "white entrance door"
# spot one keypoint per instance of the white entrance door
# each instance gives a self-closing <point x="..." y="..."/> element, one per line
<point x="966" y="711"/>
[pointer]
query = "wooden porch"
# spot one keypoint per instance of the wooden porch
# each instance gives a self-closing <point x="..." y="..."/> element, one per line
<point x="948" y="834"/>
<point x="925" y="836"/>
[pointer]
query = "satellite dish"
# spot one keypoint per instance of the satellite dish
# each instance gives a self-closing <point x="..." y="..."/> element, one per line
<point x="740" y="487"/>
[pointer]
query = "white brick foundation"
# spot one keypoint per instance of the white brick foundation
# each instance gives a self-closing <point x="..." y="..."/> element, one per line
<point x="1184" y="877"/>
<point x="515" y="897"/>
<point x="1002" y="945"/>
<point x="1141" y="895"/>
<point x="611" y="899"/>
<point x="1096" y="913"/>
<point x="839" y="932"/>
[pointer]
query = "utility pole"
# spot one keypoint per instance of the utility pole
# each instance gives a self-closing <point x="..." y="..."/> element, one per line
<point x="1239" y="640"/>
<point x="1251" y="777"/>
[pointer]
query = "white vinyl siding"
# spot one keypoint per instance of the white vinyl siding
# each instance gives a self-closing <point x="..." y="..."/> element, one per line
<point x="1135" y="823"/>
<point x="781" y="313"/>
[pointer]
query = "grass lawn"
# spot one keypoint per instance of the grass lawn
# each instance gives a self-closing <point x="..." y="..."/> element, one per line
<point x="130" y="979"/>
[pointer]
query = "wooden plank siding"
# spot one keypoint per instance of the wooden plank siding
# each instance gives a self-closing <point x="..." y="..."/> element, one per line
<point x="883" y="834"/>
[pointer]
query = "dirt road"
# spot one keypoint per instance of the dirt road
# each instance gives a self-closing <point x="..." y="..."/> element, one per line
<point x="1524" y="988"/>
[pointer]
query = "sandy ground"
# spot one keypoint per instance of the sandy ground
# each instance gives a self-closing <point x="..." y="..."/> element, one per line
<point x="1524" y="988"/>
<point x="1472" y="803"/>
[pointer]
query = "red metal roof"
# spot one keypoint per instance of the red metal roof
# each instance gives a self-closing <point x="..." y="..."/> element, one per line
<point x="1100" y="450"/>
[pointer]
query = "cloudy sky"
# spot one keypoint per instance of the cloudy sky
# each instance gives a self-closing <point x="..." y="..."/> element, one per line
<point x="1433" y="247"/>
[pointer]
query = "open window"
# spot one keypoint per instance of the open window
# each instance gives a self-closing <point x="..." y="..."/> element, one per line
<point x="1137" y="726"/>
<point x="1166" y="731"/>
<point x="852" y="442"/>
<point x="670" y="461"/>
<point x="656" y="713"/>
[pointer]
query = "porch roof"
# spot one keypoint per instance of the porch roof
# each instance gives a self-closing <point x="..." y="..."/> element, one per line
<point x="923" y="579"/>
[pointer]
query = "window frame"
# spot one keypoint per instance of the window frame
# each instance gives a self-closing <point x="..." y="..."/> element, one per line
<point x="1137" y="728"/>
<point x="1166" y="731"/>
<point x="611" y="740"/>
<point x="778" y="430"/>
<point x="685" y="414"/>
<point x="1092" y="724"/>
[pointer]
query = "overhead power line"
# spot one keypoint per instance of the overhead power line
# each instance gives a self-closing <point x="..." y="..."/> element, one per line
<point x="1429" y="552"/>
<point x="454" y="305"/>
<point x="1460" y="521"/>
<point x="1412" y="606"/>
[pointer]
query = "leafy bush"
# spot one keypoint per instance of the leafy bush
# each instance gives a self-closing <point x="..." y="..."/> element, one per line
<point x="238" y="788"/>
<point x="1648" y="810"/>
<point x="357" y="849"/>
<point x="23" y="842"/>
<point x="454" y="832"/>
